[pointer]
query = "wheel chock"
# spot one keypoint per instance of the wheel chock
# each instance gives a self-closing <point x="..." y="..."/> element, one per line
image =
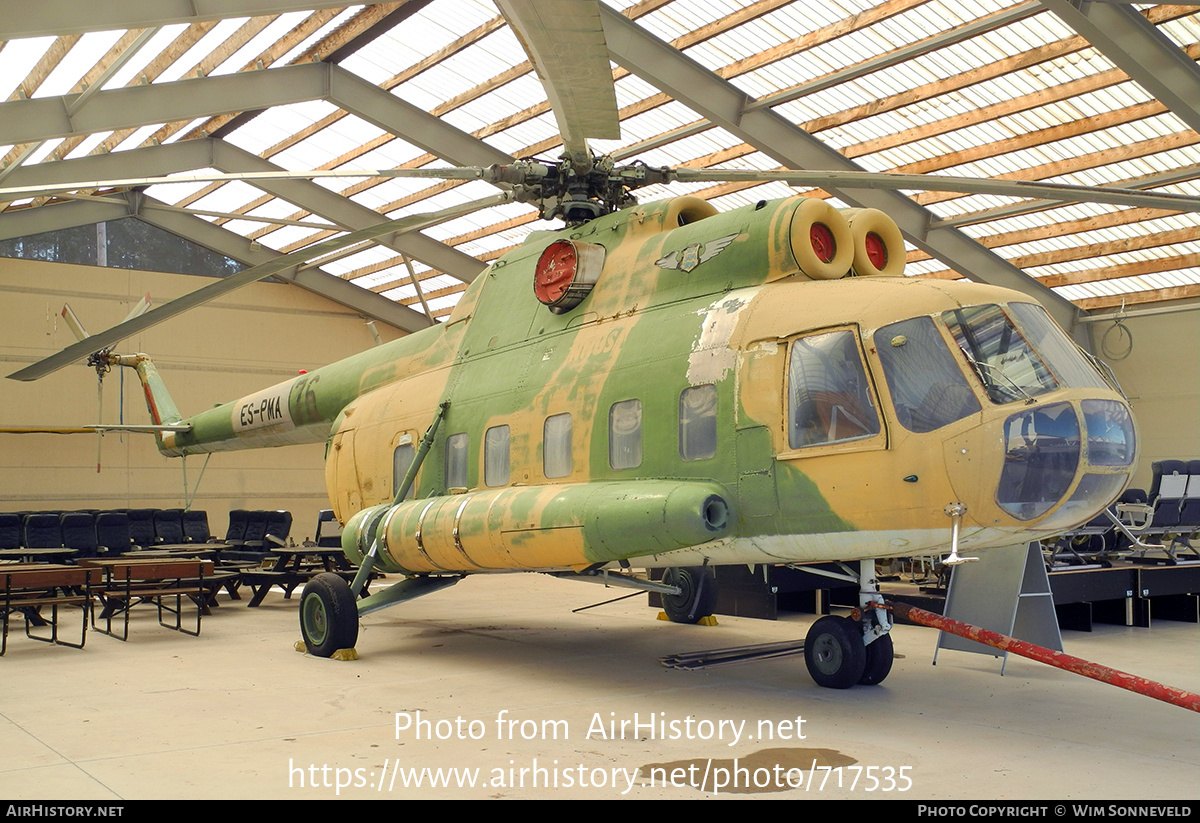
<point x="710" y="620"/>
<point x="340" y="654"/>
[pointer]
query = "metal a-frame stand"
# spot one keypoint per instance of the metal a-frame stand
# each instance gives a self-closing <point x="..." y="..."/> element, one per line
<point x="1006" y="591"/>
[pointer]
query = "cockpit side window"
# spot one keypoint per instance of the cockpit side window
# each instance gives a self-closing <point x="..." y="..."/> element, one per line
<point x="1018" y="351"/>
<point x="928" y="388"/>
<point x="829" y="398"/>
<point x="1007" y="365"/>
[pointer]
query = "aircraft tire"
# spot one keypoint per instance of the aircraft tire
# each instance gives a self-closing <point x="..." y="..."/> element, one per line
<point x="328" y="615"/>
<point x="698" y="597"/>
<point x="834" y="653"/>
<point x="879" y="661"/>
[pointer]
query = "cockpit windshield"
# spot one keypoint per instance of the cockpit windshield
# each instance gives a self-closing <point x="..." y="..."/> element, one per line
<point x="1018" y="360"/>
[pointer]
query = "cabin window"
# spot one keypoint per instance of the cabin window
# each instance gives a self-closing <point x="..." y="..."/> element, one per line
<point x="556" y="445"/>
<point x="829" y="400"/>
<point x="456" y="461"/>
<point x="928" y="388"/>
<point x="698" y="422"/>
<point x="402" y="458"/>
<point x="495" y="456"/>
<point x="625" y="434"/>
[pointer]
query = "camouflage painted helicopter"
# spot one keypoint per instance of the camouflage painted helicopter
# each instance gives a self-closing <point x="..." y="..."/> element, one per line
<point x="665" y="386"/>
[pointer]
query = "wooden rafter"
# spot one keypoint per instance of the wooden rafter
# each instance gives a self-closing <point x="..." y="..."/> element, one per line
<point x="1103" y="273"/>
<point x="356" y="25"/>
<point x="1139" y="297"/>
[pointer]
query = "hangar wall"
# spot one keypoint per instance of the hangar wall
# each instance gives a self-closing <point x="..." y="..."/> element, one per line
<point x="1161" y="378"/>
<point x="242" y="342"/>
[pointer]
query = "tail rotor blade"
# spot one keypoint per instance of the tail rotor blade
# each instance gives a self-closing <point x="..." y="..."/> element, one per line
<point x="139" y="308"/>
<point x="73" y="322"/>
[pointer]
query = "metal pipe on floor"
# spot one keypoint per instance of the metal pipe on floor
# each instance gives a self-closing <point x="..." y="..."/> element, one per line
<point x="1104" y="674"/>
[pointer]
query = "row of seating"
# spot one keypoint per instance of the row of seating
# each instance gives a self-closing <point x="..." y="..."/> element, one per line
<point x="252" y="532"/>
<point x="1166" y="518"/>
<point x="93" y="533"/>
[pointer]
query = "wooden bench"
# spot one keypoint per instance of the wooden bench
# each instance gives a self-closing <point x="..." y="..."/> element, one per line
<point x="30" y="587"/>
<point x="128" y="582"/>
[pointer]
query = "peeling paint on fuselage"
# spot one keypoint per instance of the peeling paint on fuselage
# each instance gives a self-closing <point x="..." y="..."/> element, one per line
<point x="712" y="358"/>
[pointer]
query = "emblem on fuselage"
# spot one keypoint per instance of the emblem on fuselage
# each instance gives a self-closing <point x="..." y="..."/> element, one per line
<point x="692" y="256"/>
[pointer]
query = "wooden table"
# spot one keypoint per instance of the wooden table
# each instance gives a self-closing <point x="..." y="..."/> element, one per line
<point x="200" y="550"/>
<point x="29" y="588"/>
<point x="37" y="555"/>
<point x="129" y="581"/>
<point x="224" y="576"/>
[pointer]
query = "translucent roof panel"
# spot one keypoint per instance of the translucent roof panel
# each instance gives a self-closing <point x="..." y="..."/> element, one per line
<point x="992" y="89"/>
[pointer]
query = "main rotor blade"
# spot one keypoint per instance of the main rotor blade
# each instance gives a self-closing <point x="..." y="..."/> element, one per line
<point x="179" y="305"/>
<point x="565" y="42"/>
<point x="1063" y="192"/>
<point x="9" y="193"/>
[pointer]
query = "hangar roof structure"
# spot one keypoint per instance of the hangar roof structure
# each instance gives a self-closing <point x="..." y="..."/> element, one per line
<point x="1088" y="93"/>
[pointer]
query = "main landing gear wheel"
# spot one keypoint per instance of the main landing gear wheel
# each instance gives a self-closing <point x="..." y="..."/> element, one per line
<point x="879" y="661"/>
<point x="697" y="597"/>
<point x="834" y="653"/>
<point x="328" y="615"/>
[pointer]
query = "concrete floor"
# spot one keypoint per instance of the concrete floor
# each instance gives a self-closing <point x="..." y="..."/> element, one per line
<point x="238" y="713"/>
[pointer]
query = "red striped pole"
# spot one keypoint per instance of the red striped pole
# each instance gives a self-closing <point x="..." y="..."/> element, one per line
<point x="1104" y="674"/>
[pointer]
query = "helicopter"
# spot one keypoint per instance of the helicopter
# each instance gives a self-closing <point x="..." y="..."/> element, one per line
<point x="662" y="386"/>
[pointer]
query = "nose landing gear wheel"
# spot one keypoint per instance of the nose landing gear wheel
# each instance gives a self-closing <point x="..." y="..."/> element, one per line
<point x="697" y="597"/>
<point x="328" y="615"/>
<point x="879" y="661"/>
<point x="834" y="653"/>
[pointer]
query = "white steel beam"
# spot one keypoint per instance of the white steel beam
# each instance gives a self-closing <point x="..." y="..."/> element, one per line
<point x="1139" y="49"/>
